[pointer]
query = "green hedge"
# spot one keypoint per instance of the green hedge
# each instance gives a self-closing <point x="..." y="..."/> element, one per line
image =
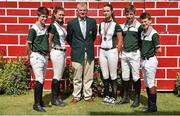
<point x="14" y="76"/>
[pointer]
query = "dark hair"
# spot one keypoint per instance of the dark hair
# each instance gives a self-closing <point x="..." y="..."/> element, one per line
<point x="111" y="7"/>
<point x="130" y="8"/>
<point x="42" y="10"/>
<point x="56" y="9"/>
<point x="145" y="15"/>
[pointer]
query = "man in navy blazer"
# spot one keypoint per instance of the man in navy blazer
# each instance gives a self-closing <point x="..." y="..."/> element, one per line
<point x="81" y="34"/>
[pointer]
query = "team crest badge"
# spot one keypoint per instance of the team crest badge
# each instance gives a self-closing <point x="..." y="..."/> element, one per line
<point x="90" y="32"/>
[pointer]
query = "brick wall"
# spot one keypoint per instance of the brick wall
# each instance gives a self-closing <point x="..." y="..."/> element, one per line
<point x="17" y="17"/>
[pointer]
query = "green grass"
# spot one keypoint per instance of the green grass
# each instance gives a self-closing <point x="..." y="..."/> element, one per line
<point x="167" y="103"/>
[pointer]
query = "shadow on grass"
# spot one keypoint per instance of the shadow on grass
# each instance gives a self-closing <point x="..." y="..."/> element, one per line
<point x="143" y="99"/>
<point x="134" y="113"/>
<point x="64" y="95"/>
<point x="47" y="99"/>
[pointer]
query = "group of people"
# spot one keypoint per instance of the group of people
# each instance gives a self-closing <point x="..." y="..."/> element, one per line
<point x="133" y="41"/>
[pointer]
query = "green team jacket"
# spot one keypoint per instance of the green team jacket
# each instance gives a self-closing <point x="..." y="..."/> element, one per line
<point x="79" y="44"/>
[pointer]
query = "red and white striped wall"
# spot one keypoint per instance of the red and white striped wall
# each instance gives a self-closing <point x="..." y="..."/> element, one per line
<point x="16" y="19"/>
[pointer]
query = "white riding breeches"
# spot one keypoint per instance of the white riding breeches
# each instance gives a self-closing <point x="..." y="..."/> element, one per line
<point x="149" y="67"/>
<point x="130" y="61"/>
<point x="39" y="64"/>
<point x="108" y="63"/>
<point x="58" y="59"/>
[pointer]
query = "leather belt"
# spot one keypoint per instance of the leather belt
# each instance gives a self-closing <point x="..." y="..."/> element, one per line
<point x="106" y="49"/>
<point x="60" y="49"/>
<point x="147" y="58"/>
<point x="42" y="53"/>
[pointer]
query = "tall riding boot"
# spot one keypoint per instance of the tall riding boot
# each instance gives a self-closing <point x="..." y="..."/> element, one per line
<point x="148" y="92"/>
<point x="37" y="97"/>
<point x="106" y="87"/>
<point x="58" y="95"/>
<point x="125" y="98"/>
<point x="41" y="100"/>
<point x="55" y="89"/>
<point x="114" y="88"/>
<point x="152" y="107"/>
<point x="137" y="87"/>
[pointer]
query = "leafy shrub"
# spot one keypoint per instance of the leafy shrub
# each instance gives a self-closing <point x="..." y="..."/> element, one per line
<point x="97" y="86"/>
<point x="2" y="63"/>
<point x="69" y="75"/>
<point x="14" y="78"/>
<point x="178" y="84"/>
<point x="69" y="72"/>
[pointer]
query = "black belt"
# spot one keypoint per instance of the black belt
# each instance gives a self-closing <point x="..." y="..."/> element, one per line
<point x="106" y="49"/>
<point x="147" y="58"/>
<point x="42" y="53"/>
<point x="60" y="49"/>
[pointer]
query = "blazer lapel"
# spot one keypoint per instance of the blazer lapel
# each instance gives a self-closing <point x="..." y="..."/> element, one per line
<point x="87" y="26"/>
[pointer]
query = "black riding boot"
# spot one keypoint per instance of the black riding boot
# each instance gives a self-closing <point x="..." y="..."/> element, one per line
<point x="148" y="92"/>
<point x="152" y="107"/>
<point x="38" y="97"/>
<point x="56" y="94"/>
<point x="41" y="100"/>
<point x="106" y="87"/>
<point x="137" y="87"/>
<point x="114" y="88"/>
<point x="125" y="98"/>
<point x="59" y="97"/>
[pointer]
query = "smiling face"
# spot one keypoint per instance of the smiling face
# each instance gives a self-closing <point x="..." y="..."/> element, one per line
<point x="42" y="14"/>
<point x="59" y="16"/>
<point x="146" y="23"/>
<point x="42" y="19"/>
<point x="130" y="16"/>
<point x="107" y="12"/>
<point x="82" y="11"/>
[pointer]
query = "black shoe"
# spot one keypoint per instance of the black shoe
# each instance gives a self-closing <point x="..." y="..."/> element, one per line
<point x="152" y="110"/>
<point x="38" y="108"/>
<point x="58" y="103"/>
<point x="124" y="101"/>
<point x="43" y="104"/>
<point x="135" y="104"/>
<point x="148" y="110"/>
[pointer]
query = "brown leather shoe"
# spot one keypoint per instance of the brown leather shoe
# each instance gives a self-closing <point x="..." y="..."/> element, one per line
<point x="74" y="101"/>
<point x="91" y="100"/>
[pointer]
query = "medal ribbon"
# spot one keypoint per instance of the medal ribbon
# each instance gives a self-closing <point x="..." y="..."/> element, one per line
<point x="61" y="29"/>
<point x="106" y="29"/>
